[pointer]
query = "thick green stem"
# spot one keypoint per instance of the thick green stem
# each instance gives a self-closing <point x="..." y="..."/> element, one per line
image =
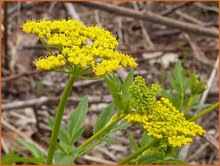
<point x="138" y="152"/>
<point x="58" y="118"/>
<point x="206" y="111"/>
<point x="101" y="131"/>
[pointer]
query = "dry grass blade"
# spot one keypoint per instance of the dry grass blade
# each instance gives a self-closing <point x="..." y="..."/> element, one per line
<point x="98" y="160"/>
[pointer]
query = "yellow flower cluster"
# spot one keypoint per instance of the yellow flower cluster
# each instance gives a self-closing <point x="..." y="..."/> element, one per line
<point x="164" y="121"/>
<point x="50" y="62"/>
<point x="71" y="37"/>
<point x="143" y="98"/>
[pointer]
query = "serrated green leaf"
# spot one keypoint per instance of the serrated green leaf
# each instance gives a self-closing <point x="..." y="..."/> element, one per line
<point x="47" y="140"/>
<point x="121" y="126"/>
<point x="35" y="151"/>
<point x="115" y="88"/>
<point x="104" y="117"/>
<point x="133" y="142"/>
<point x="76" y="119"/>
<point x="75" y="136"/>
<point x="63" y="134"/>
<point x="61" y="158"/>
<point x="127" y="83"/>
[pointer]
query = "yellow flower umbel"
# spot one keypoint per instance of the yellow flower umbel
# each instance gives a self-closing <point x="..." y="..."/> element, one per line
<point x="71" y="38"/>
<point x="164" y="121"/>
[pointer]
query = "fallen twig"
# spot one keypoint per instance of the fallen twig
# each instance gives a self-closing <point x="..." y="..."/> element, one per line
<point x="52" y="100"/>
<point x="96" y="159"/>
<point x="166" y="48"/>
<point x="149" y="16"/>
<point x="206" y="7"/>
<point x="144" y="31"/>
<point x="8" y="125"/>
<point x="13" y="77"/>
<point x="174" y="8"/>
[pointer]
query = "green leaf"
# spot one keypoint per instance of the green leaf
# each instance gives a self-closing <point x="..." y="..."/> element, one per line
<point x="66" y="160"/>
<point x="108" y="140"/>
<point x="169" y="160"/>
<point x="127" y="83"/>
<point x="133" y="142"/>
<point x="166" y="94"/>
<point x="151" y="155"/>
<point x="163" y="145"/>
<point x="149" y="159"/>
<point x="47" y="140"/>
<point x="75" y="136"/>
<point x="63" y="134"/>
<point x="172" y="152"/>
<point x="196" y="86"/>
<point x="115" y="87"/>
<point x="35" y="151"/>
<point x="121" y="126"/>
<point x="76" y="119"/>
<point x="14" y="160"/>
<point x="76" y="150"/>
<point x="8" y="158"/>
<point x="179" y="74"/>
<point x="61" y="158"/>
<point x="200" y="106"/>
<point x="104" y="117"/>
<point x="145" y="139"/>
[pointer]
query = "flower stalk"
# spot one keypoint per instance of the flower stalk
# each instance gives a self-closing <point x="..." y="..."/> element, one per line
<point x="102" y="130"/>
<point x="138" y="152"/>
<point x="189" y="104"/>
<point x="206" y="111"/>
<point x="58" y="118"/>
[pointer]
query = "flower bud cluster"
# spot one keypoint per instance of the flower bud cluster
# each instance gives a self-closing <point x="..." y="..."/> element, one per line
<point x="164" y="121"/>
<point x="71" y="37"/>
<point x="143" y="98"/>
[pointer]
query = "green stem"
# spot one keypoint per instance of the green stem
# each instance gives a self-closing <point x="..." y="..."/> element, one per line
<point x="206" y="111"/>
<point x="189" y="104"/>
<point x="45" y="45"/>
<point x="110" y="123"/>
<point x="101" y="131"/>
<point x="138" y="152"/>
<point x="58" y="118"/>
<point x="89" y="148"/>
